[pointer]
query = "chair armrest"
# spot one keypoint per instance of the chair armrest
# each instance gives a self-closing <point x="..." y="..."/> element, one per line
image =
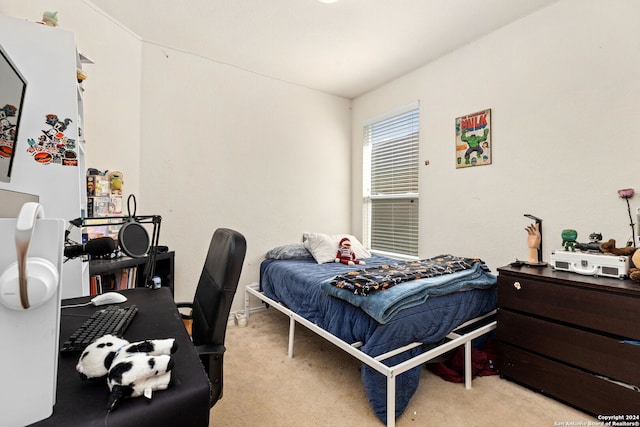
<point x="210" y="349"/>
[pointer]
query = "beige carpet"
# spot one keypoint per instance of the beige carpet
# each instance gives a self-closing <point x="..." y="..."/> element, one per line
<point x="320" y="386"/>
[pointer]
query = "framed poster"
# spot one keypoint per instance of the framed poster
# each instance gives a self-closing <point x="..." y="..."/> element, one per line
<point x="473" y="139"/>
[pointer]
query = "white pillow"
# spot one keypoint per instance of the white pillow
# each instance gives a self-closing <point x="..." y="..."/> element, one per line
<point x="324" y="247"/>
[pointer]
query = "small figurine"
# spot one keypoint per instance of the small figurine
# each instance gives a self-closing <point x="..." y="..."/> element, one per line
<point x="345" y="254"/>
<point x="80" y="75"/>
<point x="50" y="19"/>
<point x="569" y="239"/>
<point x="593" y="245"/>
<point x="116" y="179"/>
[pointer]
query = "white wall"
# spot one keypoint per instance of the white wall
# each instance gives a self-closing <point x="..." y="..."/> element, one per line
<point x="564" y="89"/>
<point x="206" y="145"/>
<point x="224" y="147"/>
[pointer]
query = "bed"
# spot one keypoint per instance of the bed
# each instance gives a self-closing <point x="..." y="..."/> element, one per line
<point x="391" y="345"/>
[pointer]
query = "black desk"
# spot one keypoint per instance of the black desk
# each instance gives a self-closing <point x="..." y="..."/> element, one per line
<point x="184" y="403"/>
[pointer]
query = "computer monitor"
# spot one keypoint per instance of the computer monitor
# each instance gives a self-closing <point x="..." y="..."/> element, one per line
<point x="12" y="92"/>
<point x="12" y="201"/>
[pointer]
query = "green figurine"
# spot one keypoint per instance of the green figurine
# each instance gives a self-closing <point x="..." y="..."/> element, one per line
<point x="569" y="239"/>
<point x="50" y="19"/>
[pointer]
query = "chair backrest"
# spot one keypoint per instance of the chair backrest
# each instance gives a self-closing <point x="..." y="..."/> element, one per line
<point x="217" y="286"/>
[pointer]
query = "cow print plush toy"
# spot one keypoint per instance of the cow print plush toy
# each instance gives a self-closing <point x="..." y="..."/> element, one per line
<point x="131" y="369"/>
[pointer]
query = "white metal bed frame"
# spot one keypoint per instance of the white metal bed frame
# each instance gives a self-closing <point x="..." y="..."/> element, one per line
<point x="456" y="339"/>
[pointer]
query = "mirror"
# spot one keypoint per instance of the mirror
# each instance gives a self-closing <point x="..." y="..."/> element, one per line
<point x="12" y="89"/>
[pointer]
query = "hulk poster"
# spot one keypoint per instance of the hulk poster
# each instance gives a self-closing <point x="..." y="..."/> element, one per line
<point x="473" y="139"/>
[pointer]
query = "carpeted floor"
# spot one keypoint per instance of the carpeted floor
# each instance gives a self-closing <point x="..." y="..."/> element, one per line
<point x="320" y="386"/>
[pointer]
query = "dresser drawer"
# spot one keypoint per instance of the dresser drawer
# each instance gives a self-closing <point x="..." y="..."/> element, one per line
<point x="593" y="394"/>
<point x="600" y="354"/>
<point x="600" y="310"/>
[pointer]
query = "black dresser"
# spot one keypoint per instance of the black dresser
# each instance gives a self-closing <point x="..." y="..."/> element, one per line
<point x="575" y="338"/>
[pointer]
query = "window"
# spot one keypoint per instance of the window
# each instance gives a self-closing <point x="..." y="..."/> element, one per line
<point x="391" y="182"/>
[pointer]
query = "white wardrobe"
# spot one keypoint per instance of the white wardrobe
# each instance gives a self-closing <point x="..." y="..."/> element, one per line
<point x="48" y="152"/>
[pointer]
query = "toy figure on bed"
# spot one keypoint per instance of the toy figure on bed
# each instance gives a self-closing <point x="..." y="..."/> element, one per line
<point x="345" y="254"/>
<point x="131" y="369"/>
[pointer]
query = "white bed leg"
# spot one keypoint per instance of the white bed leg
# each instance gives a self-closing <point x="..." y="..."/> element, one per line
<point x="246" y="304"/>
<point x="467" y="365"/>
<point x="391" y="400"/>
<point x="292" y="330"/>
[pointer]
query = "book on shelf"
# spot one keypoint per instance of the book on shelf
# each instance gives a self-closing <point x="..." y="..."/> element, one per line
<point x="124" y="279"/>
<point x="116" y="281"/>
<point x="95" y="285"/>
<point x="133" y="278"/>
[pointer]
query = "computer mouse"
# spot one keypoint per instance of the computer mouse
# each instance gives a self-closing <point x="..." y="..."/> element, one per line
<point x="108" y="298"/>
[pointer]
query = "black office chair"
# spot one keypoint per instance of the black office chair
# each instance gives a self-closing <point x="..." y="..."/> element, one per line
<point x="212" y="302"/>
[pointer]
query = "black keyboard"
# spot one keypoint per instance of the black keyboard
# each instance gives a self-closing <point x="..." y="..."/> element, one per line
<point x="112" y="320"/>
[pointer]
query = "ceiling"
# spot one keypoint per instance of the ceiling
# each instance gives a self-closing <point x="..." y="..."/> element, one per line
<point x="346" y="48"/>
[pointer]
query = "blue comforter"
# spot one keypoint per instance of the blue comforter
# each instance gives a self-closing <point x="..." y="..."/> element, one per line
<point x="298" y="285"/>
<point x="384" y="305"/>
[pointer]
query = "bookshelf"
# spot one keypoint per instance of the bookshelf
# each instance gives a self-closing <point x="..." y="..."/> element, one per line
<point x="125" y="272"/>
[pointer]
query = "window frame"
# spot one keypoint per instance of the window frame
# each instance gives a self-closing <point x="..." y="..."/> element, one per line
<point x="410" y="251"/>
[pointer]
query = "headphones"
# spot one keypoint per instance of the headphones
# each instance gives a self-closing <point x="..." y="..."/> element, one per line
<point x="28" y="282"/>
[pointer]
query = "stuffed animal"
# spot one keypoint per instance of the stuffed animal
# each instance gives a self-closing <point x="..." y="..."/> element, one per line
<point x="634" y="271"/>
<point x="609" y="247"/>
<point x="345" y="254"/>
<point x="132" y="369"/>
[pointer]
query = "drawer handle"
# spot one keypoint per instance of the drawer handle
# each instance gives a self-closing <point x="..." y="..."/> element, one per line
<point x="517" y="285"/>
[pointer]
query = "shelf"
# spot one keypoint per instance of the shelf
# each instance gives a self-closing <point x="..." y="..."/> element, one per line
<point x="85" y="59"/>
<point x="165" y="265"/>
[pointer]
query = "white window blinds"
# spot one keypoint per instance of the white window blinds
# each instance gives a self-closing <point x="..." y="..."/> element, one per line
<point x="391" y="183"/>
